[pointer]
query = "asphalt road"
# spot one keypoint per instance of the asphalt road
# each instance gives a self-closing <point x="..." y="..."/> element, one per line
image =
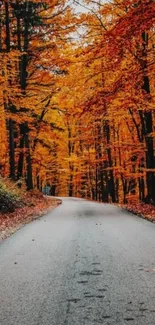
<point x="82" y="264"/>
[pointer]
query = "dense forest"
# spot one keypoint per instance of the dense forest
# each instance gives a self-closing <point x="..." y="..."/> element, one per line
<point x="77" y="97"/>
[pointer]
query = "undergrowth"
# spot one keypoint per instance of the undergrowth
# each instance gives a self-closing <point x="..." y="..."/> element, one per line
<point x="11" y="197"/>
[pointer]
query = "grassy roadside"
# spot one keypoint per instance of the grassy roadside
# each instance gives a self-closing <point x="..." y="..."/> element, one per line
<point x="18" y="207"/>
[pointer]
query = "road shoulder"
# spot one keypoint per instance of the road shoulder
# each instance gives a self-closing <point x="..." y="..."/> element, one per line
<point x="142" y="210"/>
<point x="11" y="222"/>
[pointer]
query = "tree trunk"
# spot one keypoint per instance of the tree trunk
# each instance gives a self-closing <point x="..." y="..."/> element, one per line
<point x="21" y="154"/>
<point x="110" y="162"/>
<point x="24" y="129"/>
<point x="29" y="179"/>
<point x="11" y="149"/>
<point x="148" y="125"/>
<point x="8" y="106"/>
<point x="70" y="151"/>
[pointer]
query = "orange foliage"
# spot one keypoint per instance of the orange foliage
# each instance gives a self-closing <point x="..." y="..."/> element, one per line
<point x="77" y="98"/>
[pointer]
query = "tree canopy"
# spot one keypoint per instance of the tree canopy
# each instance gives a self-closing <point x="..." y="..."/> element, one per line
<point x="77" y="97"/>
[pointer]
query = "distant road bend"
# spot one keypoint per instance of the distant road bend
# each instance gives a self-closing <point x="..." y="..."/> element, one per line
<point x="84" y="263"/>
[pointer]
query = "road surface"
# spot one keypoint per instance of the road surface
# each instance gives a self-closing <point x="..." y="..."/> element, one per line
<point x="84" y="263"/>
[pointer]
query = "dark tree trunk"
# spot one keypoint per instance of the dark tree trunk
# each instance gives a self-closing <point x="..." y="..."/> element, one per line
<point x="7" y="25"/>
<point x="1" y="24"/>
<point x="25" y="143"/>
<point x="148" y="125"/>
<point x="9" y="106"/>
<point x="117" y="190"/>
<point x="110" y="161"/>
<point x="96" y="183"/>
<point x="24" y="57"/>
<point x="38" y="182"/>
<point x="70" y="185"/>
<point x="18" y="27"/>
<point x="124" y="182"/>
<point x="53" y="190"/>
<point x="29" y="179"/>
<point x="101" y="173"/>
<point x="100" y="165"/>
<point x="70" y="151"/>
<point x="96" y="166"/>
<point x="24" y="128"/>
<point x="105" y="180"/>
<point x="141" y="189"/>
<point x="11" y="149"/>
<point x="21" y="154"/>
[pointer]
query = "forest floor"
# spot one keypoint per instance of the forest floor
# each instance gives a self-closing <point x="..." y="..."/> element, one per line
<point x="145" y="211"/>
<point x="33" y="208"/>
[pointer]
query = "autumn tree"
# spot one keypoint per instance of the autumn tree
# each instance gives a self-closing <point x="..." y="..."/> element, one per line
<point x="77" y="97"/>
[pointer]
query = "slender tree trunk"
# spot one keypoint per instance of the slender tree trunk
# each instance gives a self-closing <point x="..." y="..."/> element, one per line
<point x="21" y="154"/>
<point x="38" y="182"/>
<point x="141" y="182"/>
<point x="7" y="25"/>
<point x="70" y="151"/>
<point x="110" y="161"/>
<point x="96" y="168"/>
<point x="123" y="181"/>
<point x="115" y="164"/>
<point x="11" y="149"/>
<point x="8" y="106"/>
<point x="148" y="125"/>
<point x="28" y="160"/>
<point x="100" y="165"/>
<point x="106" y="181"/>
<point x="24" y="129"/>
<point x="70" y="181"/>
<point x="1" y="24"/>
<point x="96" y="183"/>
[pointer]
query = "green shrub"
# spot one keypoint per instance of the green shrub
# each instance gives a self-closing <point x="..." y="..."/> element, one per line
<point x="10" y="198"/>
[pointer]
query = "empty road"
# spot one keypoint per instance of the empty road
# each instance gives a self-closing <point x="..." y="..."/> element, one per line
<point x="84" y="263"/>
